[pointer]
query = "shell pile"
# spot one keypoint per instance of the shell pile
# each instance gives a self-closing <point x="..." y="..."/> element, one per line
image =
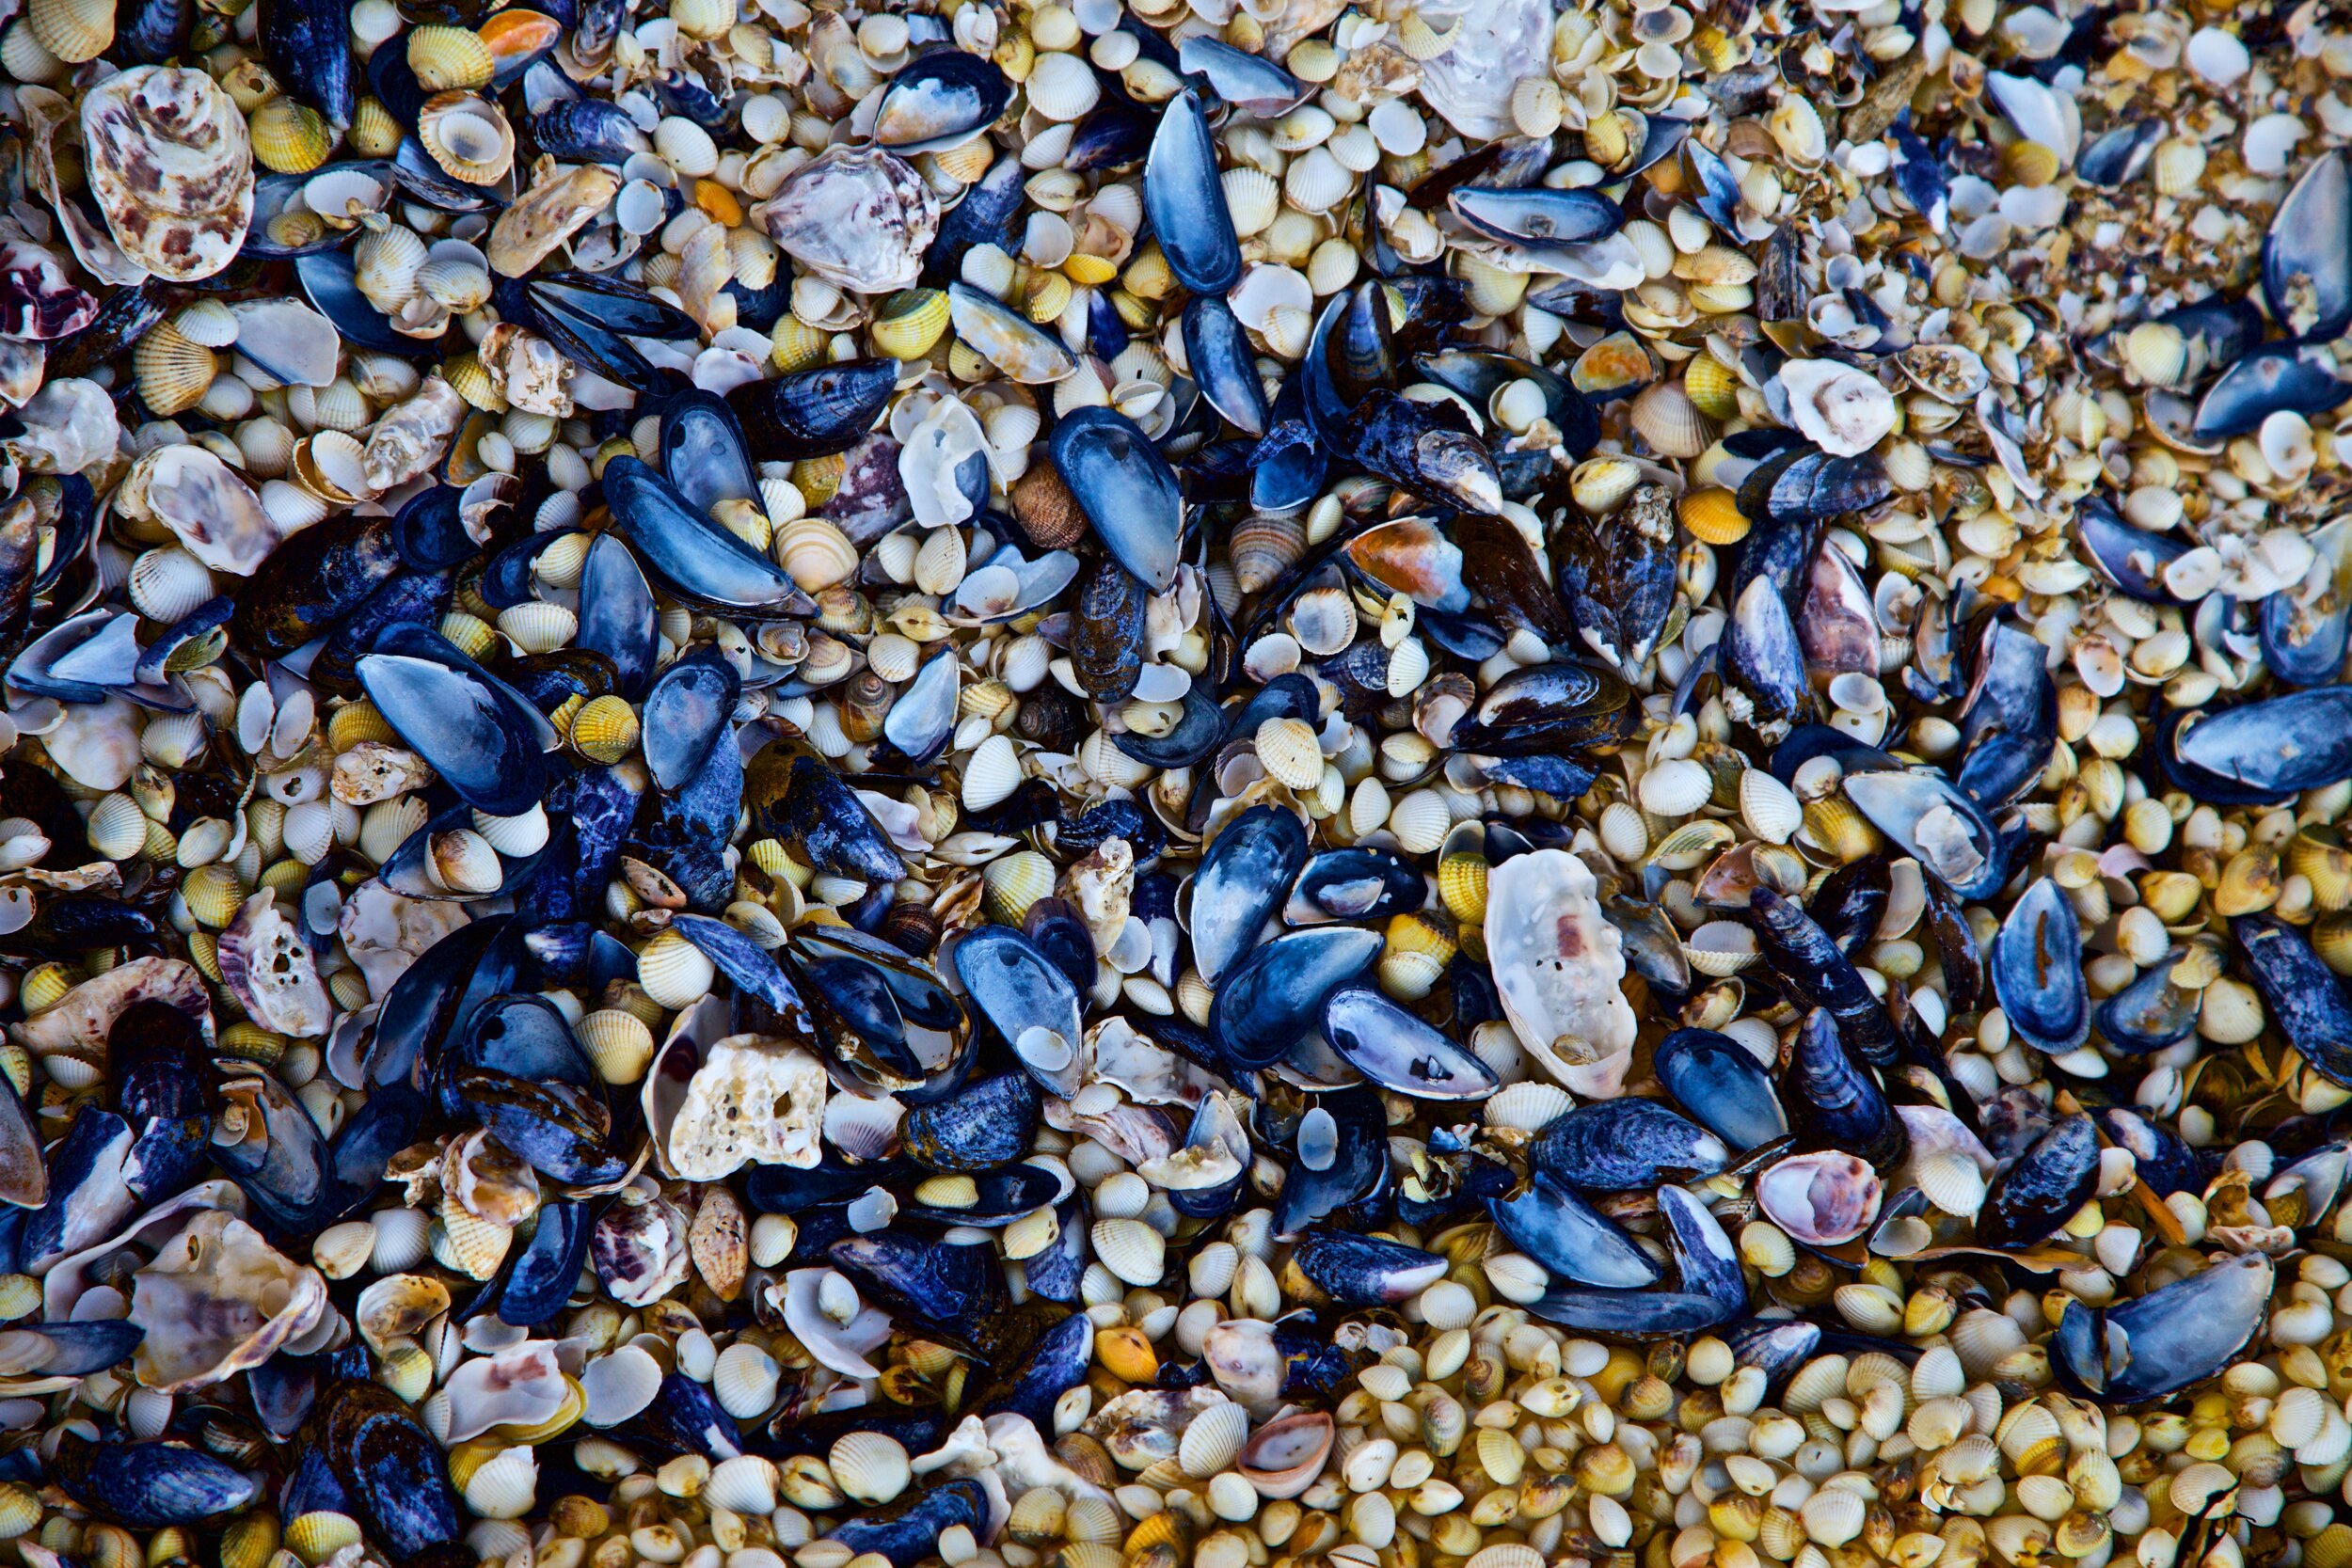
<point x="1135" y="783"/>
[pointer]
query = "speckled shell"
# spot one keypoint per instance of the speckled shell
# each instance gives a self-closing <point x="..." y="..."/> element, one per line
<point x="172" y="168"/>
<point x="858" y="219"/>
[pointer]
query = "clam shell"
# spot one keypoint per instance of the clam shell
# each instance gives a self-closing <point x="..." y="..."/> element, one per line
<point x="618" y="1044"/>
<point x="1526" y="1106"/>
<point x="744" y="1380"/>
<point x="173" y="373"/>
<point x="870" y="1466"/>
<point x="171" y="166"/>
<point x="537" y="627"/>
<point x="1770" y="810"/>
<point x="526" y="834"/>
<point x="605" y="730"/>
<point x="745" y="1484"/>
<point x="674" y="972"/>
<point x="169" y="584"/>
<point x="1062" y="86"/>
<point x="1558" y="964"/>
<point x="468" y="135"/>
<point x="1825" y="1198"/>
<point x="1214" y="1440"/>
<point x="1131" y="1249"/>
<point x="1290" y="751"/>
<point x="505" y="1486"/>
<point x="1283" y="1458"/>
<point x="72" y="30"/>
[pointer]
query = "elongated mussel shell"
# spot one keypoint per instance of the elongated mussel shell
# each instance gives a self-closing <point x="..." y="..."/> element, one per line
<point x="1223" y="363"/>
<point x="2160" y="1157"/>
<point x="1939" y="825"/>
<point x="1624" y="1145"/>
<point x="2307" y="253"/>
<point x="2042" y="1188"/>
<point x="688" y="711"/>
<point x="2151" y="1014"/>
<point x="692" y="554"/>
<point x="1802" y="955"/>
<point x="541" y="1273"/>
<point x="587" y="131"/>
<point x="1720" y="1086"/>
<point x="1340" y="1158"/>
<point x="909" y="1530"/>
<point x="2161" y="1342"/>
<point x="703" y="454"/>
<point x="1106" y="633"/>
<point x="2293" y="378"/>
<point x="1360" y="882"/>
<point x="2037" y="964"/>
<point x="2302" y="995"/>
<point x="1184" y="199"/>
<point x="798" y="799"/>
<point x="955" y="1289"/>
<point x="1241" y="883"/>
<point x="149" y="1485"/>
<point x="591" y="317"/>
<point x="477" y="732"/>
<point x="2263" y="751"/>
<point x="2009" y="719"/>
<point x="1537" y="215"/>
<point x="1399" y="1052"/>
<point x="2131" y="558"/>
<point x="617" y="615"/>
<point x="311" y="581"/>
<point x="268" y="1144"/>
<point x="1126" y="488"/>
<point x="941" y="100"/>
<point x="1275" y="996"/>
<point x="1251" y="82"/>
<point x="1365" y="1271"/>
<point x="813" y="413"/>
<point x="1029" y="1000"/>
<point x="1552" y="1224"/>
<point x="1546" y="707"/>
<point x="308" y="45"/>
<point x="985" y="1124"/>
<point x="1707" y="1261"/>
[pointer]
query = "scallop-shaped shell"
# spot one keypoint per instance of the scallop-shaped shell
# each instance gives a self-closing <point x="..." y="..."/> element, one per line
<point x="1420" y="821"/>
<point x="1676" y="787"/>
<point x="464" y="862"/>
<point x="1130" y="1249"/>
<point x="474" y="1248"/>
<point x="1527" y="1106"/>
<point x="745" y="1484"/>
<point x="1665" y="416"/>
<point x="992" y="773"/>
<point x="1252" y="198"/>
<point x="536" y="627"/>
<point x="674" y="972"/>
<point x="171" y="166"/>
<point x="385" y="263"/>
<point x="1712" y="387"/>
<point x="402" y="1240"/>
<point x="1290" y="750"/>
<point x="1263" y="548"/>
<point x="321" y="1533"/>
<point x="1062" y="86"/>
<point x="1770" y="810"/>
<point x="289" y="137"/>
<point x="744" y="1380"/>
<point x="1834" y="1517"/>
<point x="468" y="135"/>
<point x="618" y="1043"/>
<point x="75" y="31"/>
<point x="815" y="553"/>
<point x="116" y="826"/>
<point x="909" y="324"/>
<point x="1013" y="883"/>
<point x="455" y="284"/>
<point x="870" y="1466"/>
<point x="173" y="373"/>
<point x="1950" y="1180"/>
<point x="446" y="58"/>
<point x="1213" y="1441"/>
<point x="1721" y="947"/>
<point x="1316" y="182"/>
<point x="1624" y="832"/>
<point x="605" y="730"/>
<point x="505" y="1486"/>
<point x="1323" y="621"/>
<point x="169" y="584"/>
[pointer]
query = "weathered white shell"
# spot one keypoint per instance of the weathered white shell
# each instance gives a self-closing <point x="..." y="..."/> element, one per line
<point x="859" y="219"/>
<point x="505" y="1486"/>
<point x="1842" y="410"/>
<point x="1826" y="1198"/>
<point x="521" y="1387"/>
<point x="1212" y="1440"/>
<point x="870" y="1466"/>
<point x="1768" y="807"/>
<point x="171" y="167"/>
<point x="265" y="963"/>
<point x="217" y="1300"/>
<point x="744" y="1381"/>
<point x="752" y="1099"/>
<point x="619" y="1385"/>
<point x="674" y="972"/>
<point x="1527" y="1106"/>
<point x="202" y="502"/>
<point x="838" y="1342"/>
<point x="168" y="584"/>
<point x="745" y="1484"/>
<point x="1557" y="965"/>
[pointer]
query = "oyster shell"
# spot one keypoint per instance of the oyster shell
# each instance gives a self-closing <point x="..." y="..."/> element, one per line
<point x="861" y="220"/>
<point x="172" y="169"/>
<point x="557" y="206"/>
<point x="1557" y="965"/>
<point x="216" y="1300"/>
<point x="203" y="502"/>
<point x="265" y="961"/>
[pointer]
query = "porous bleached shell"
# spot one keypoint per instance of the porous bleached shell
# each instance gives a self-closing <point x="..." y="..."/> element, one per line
<point x="265" y="963"/>
<point x="751" y="1100"/>
<point x="1557" y="965"/>
<point x="861" y="220"/>
<point x="171" y="167"/>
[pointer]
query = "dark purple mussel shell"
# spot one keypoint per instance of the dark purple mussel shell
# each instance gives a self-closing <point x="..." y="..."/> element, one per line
<point x="813" y="413"/>
<point x="1184" y="199"/>
<point x="1624" y="1145"/>
<point x="2307" y="253"/>
<point x="940" y="100"/>
<point x="478" y="733"/>
<point x="149" y="1485"/>
<point x="2161" y="1342"/>
<point x="690" y="553"/>
<point x="2044" y="1187"/>
<point x="1365" y="1271"/>
<point x="1126" y="488"/>
<point x="2036" y="965"/>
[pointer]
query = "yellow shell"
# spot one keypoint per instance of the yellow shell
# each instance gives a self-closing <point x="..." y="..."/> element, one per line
<point x="45" y="985"/>
<point x="354" y="723"/>
<point x="2319" y="853"/>
<point x="795" y="346"/>
<point x="450" y="58"/>
<point x="316" y="1536"/>
<point x="1462" y="886"/>
<point x="818" y="478"/>
<point x="72" y="30"/>
<point x="1048" y="297"/>
<point x="213" y="894"/>
<point x="289" y="137"/>
<point x="909" y="323"/>
<point x="473" y="1247"/>
<point x="2029" y="163"/>
<point x="606" y="730"/>
<point x="1838" y="830"/>
<point x="2332" y="939"/>
<point x="619" y="1043"/>
<point x="1712" y="387"/>
<point x="468" y="135"/>
<point x="1014" y="882"/>
<point x="1419" y="945"/>
<point x="1149" y="276"/>
<point x="472" y="635"/>
<point x="1666" y="417"/>
<point x="374" y="133"/>
<point x="1712" y="515"/>
<point x="814" y="553"/>
<point x="1089" y="271"/>
<point x="173" y="373"/>
<point x="248" y="1541"/>
<point x="469" y="380"/>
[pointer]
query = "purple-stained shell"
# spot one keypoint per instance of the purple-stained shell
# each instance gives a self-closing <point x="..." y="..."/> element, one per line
<point x="171" y="167"/>
<point x="265" y="963"/>
<point x="1283" y="1457"/>
<point x="1823" y="1199"/>
<point x="858" y="219"/>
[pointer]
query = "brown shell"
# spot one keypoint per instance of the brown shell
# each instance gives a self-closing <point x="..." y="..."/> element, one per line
<point x="1048" y="512"/>
<point x="172" y="168"/>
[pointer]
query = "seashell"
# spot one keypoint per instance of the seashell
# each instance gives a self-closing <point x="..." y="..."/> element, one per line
<point x="289" y="137"/>
<point x="1420" y="821"/>
<point x="1315" y="181"/>
<point x="619" y="1044"/>
<point x="745" y="1484"/>
<point x="467" y="136"/>
<point x="1323" y="621"/>
<point x="1624" y="832"/>
<point x="1263" y="548"/>
<point x="1012" y="883"/>
<point x="1131" y="1249"/>
<point x="171" y="167"/>
<point x="1675" y="788"/>
<point x="605" y="730"/>
<point x="72" y="31"/>
<point x="536" y="627"/>
<point x="992" y="773"/>
<point x="744" y="1381"/>
<point x="1252" y="198"/>
<point x="117" y="827"/>
<point x="463" y="862"/>
<point x="674" y="972"/>
<point x="1062" y="86"/>
<point x="1283" y="1458"/>
<point x="385" y="263"/>
<point x="1824" y="1199"/>
<point x="318" y="1535"/>
<point x="1834" y="1517"/>
<point x="169" y="584"/>
<point x="1770" y="810"/>
<point x="870" y="1466"/>
<point x="447" y="58"/>
<point x="1951" y="1180"/>
<point x="1291" y="752"/>
<point x="505" y="1486"/>
<point x="909" y="323"/>
<point x="1664" y="416"/>
<point x="1214" y="1440"/>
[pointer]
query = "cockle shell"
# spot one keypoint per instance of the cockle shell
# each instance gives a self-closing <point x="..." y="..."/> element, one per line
<point x="858" y="219"/>
<point x="1557" y="965"/>
<point x="172" y="169"/>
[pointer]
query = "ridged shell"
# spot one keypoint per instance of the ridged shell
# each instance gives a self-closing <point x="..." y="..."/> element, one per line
<point x="1253" y="199"/>
<point x="674" y="972"/>
<point x="446" y="58"/>
<point x="870" y="1466"/>
<point x="619" y="1044"/>
<point x="1263" y="548"/>
<point x="1014" y="882"/>
<point x="468" y="135"/>
<point x="72" y="30"/>
<point x="1291" y="752"/>
<point x="909" y="324"/>
<point x="117" y="828"/>
<point x="385" y="263"/>
<point x="1130" y="1249"/>
<point x="1950" y="1180"/>
<point x="1624" y="832"/>
<point x="289" y="137"/>
<point x="815" y="554"/>
<point x="1214" y="1440"/>
<point x="1712" y="515"/>
<point x="1664" y="416"/>
<point x="536" y="627"/>
<point x="745" y="1484"/>
<point x="473" y="1247"/>
<point x="744" y="1380"/>
<point x="461" y="860"/>
<point x="1834" y="1517"/>
<point x="171" y="166"/>
<point x="1062" y="86"/>
<point x="1676" y="787"/>
<point x="605" y="730"/>
<point x="1770" y="810"/>
<point x="1420" y="821"/>
<point x="1316" y="182"/>
<point x="525" y="834"/>
<point x="169" y="584"/>
<point x="173" y="373"/>
<point x="402" y="1240"/>
<point x="1527" y="1106"/>
<point x="320" y="1534"/>
<point x="505" y="1486"/>
<point x="992" y="774"/>
<point x="1323" y="621"/>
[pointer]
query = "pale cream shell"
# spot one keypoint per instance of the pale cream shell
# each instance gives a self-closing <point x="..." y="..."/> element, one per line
<point x="1131" y="1249"/>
